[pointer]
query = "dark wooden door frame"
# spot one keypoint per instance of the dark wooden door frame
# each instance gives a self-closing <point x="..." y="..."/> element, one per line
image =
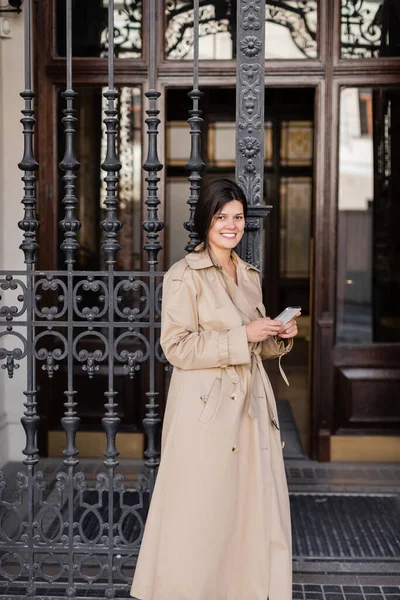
<point x="326" y="73"/>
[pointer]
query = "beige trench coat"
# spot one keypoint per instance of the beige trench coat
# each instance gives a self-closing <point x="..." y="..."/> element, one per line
<point x="219" y="522"/>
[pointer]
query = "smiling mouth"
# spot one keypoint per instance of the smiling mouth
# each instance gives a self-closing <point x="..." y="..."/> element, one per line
<point x="228" y="235"/>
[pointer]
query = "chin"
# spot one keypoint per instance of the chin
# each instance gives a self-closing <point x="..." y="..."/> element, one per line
<point x="228" y="243"/>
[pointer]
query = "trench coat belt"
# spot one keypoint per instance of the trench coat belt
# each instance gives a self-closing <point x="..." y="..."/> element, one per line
<point x="257" y="369"/>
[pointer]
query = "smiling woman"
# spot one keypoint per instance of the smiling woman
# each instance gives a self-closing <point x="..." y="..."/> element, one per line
<point x="221" y="491"/>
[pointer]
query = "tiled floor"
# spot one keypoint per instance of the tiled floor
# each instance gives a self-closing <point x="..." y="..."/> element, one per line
<point x="345" y="592"/>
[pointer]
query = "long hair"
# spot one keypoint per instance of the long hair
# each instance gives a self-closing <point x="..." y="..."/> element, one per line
<point x="211" y="201"/>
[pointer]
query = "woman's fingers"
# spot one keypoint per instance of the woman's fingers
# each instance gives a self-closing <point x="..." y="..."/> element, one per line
<point x="290" y="330"/>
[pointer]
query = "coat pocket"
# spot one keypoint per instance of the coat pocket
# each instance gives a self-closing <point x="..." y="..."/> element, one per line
<point x="211" y="401"/>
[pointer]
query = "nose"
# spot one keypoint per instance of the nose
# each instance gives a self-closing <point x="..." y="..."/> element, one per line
<point x="230" y="225"/>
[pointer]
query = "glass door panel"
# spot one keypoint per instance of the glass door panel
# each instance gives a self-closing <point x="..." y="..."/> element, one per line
<point x="368" y="272"/>
<point x="90" y="30"/>
<point x="290" y="30"/>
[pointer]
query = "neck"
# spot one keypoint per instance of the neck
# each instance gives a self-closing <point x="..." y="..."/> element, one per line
<point x="223" y="255"/>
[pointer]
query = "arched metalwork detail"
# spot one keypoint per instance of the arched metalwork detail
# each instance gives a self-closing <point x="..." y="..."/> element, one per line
<point x="10" y="313"/>
<point x="121" y="292"/>
<point x="16" y="354"/>
<point x="90" y="284"/>
<point x="50" y="357"/>
<point x="53" y="285"/>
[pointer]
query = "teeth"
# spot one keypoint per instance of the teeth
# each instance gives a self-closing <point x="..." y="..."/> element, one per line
<point x="228" y="234"/>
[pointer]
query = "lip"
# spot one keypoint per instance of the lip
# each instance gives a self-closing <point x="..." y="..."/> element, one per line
<point x="228" y="234"/>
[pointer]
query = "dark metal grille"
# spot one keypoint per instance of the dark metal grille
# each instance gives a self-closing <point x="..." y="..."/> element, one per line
<point x="72" y="534"/>
<point x="345" y="526"/>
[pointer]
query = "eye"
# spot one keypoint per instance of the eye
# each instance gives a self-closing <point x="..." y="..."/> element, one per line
<point x="239" y="217"/>
<point x="221" y="217"/>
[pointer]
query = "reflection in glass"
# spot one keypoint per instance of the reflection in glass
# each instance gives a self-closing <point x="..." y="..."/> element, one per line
<point x="370" y="28"/>
<point x="268" y="144"/>
<point x="177" y="143"/>
<point x="90" y="31"/>
<point x="176" y="197"/>
<point x="90" y="186"/>
<point x="290" y="30"/>
<point x="295" y="228"/>
<point x="297" y="143"/>
<point x="222" y="144"/>
<point x="368" y="270"/>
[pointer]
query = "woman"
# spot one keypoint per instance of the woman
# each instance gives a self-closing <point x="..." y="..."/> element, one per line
<point x="219" y="521"/>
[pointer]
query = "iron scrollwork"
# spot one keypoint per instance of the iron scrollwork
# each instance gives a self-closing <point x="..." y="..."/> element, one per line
<point x="361" y="33"/>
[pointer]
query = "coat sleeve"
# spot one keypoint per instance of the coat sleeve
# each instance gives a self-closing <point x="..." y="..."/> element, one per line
<point x="273" y="347"/>
<point x="183" y="344"/>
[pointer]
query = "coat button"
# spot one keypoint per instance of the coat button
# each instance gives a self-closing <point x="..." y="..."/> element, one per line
<point x="235" y="449"/>
<point x="234" y="396"/>
<point x="203" y="398"/>
<point x="283" y="444"/>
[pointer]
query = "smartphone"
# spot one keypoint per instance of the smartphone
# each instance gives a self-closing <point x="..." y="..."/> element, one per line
<point x="288" y="314"/>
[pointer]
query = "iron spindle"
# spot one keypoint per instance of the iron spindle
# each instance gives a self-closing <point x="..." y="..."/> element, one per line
<point x="29" y="225"/>
<point x="152" y="226"/>
<point x="111" y="226"/>
<point x="70" y="225"/>
<point x="195" y="164"/>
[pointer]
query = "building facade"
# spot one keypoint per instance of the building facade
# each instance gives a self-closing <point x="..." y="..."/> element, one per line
<point x="328" y="243"/>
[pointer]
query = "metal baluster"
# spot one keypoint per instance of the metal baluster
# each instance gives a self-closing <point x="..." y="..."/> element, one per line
<point x="111" y="226"/>
<point x="70" y="225"/>
<point x="152" y="226"/>
<point x="195" y="164"/>
<point x="29" y="225"/>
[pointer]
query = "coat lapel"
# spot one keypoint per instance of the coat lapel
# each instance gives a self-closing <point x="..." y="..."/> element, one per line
<point x="245" y="296"/>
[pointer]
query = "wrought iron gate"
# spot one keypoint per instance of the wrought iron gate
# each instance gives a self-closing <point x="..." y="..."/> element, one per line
<point x="74" y="536"/>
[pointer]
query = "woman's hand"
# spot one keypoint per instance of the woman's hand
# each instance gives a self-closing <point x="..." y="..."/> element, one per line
<point x="289" y="330"/>
<point x="261" y="329"/>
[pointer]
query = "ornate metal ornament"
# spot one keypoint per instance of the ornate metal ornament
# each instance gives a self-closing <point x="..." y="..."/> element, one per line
<point x="250" y="120"/>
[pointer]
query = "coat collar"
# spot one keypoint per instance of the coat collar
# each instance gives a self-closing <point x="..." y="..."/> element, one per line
<point x="201" y="259"/>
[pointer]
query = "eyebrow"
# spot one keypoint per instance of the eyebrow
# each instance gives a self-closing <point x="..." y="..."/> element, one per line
<point x="236" y="215"/>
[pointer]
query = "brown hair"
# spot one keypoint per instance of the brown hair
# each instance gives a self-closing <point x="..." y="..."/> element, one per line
<point x="215" y="196"/>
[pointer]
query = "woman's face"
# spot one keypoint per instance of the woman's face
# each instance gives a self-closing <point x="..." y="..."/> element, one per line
<point x="227" y="226"/>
